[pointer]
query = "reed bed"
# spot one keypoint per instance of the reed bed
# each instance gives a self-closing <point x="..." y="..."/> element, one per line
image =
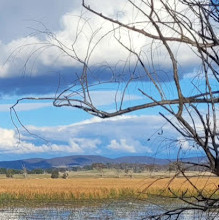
<point x="81" y="189"/>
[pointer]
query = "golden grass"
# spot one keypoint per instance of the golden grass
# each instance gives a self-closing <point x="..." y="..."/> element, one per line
<point x="82" y="189"/>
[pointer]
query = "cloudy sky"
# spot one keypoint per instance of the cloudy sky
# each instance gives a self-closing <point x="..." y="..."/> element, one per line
<point x="31" y="67"/>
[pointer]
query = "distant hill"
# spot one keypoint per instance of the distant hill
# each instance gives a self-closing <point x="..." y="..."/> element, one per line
<point x="142" y="160"/>
<point x="68" y="161"/>
<point x="81" y="160"/>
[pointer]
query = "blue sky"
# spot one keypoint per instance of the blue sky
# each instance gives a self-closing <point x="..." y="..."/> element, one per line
<point x="66" y="131"/>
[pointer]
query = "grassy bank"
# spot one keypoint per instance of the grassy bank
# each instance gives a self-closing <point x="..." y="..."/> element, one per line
<point x="46" y="191"/>
<point x="111" y="173"/>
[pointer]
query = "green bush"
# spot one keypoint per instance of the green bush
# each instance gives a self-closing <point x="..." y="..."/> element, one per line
<point x="55" y="174"/>
<point x="9" y="173"/>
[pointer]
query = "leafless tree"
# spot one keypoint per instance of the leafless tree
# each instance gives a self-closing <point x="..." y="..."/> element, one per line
<point x="165" y="26"/>
<point x="202" y="37"/>
<point x="24" y="171"/>
<point x="99" y="167"/>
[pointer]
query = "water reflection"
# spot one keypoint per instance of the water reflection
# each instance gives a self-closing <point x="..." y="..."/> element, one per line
<point x="110" y="211"/>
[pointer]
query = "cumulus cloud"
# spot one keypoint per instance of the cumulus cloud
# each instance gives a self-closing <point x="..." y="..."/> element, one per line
<point x="129" y="145"/>
<point x="4" y="69"/>
<point x="8" y="138"/>
<point x="83" y="145"/>
<point x="121" y="145"/>
<point x="124" y="135"/>
<point x="120" y="135"/>
<point x="12" y="143"/>
<point x="185" y="145"/>
<point x="127" y="126"/>
<point x="45" y="61"/>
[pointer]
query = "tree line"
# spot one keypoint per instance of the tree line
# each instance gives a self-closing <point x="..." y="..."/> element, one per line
<point x="100" y="167"/>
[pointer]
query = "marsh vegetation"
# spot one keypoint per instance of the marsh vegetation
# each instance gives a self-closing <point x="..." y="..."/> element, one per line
<point x="89" y="186"/>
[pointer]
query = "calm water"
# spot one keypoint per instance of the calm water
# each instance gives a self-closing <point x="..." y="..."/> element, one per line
<point x="112" y="211"/>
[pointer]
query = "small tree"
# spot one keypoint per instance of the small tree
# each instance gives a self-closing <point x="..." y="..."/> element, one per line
<point x="129" y="172"/>
<point x="118" y="172"/>
<point x="3" y="170"/>
<point x="9" y="173"/>
<point x="65" y="175"/>
<point x="175" y="166"/>
<point x="24" y="171"/>
<point x="99" y="167"/>
<point x="37" y="171"/>
<point x="55" y="174"/>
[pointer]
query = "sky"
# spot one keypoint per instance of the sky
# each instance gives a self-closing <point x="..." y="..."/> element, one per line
<point x="31" y="67"/>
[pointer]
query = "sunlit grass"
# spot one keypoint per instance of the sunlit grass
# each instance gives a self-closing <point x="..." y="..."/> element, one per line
<point x="88" y="189"/>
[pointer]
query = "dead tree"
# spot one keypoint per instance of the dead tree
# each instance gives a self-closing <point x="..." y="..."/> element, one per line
<point x="24" y="171"/>
<point x="191" y="24"/>
<point x="202" y="38"/>
<point x="165" y="26"/>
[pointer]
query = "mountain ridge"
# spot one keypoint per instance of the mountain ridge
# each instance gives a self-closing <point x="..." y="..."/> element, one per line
<point x="82" y="160"/>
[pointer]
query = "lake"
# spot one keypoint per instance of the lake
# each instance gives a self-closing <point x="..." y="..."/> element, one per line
<point x="117" y="210"/>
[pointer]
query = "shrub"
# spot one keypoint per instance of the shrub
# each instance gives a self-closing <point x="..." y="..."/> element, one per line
<point x="55" y="174"/>
<point x="9" y="173"/>
<point x="65" y="175"/>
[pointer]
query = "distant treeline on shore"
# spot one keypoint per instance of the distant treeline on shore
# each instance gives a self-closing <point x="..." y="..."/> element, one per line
<point x="125" y="167"/>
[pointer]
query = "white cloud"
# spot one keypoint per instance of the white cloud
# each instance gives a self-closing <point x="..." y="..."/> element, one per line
<point x="123" y="133"/>
<point x="120" y="135"/>
<point x="185" y="145"/>
<point x="108" y="49"/>
<point x="24" y="106"/>
<point x="121" y="145"/>
<point x="95" y="120"/>
<point x="10" y="142"/>
<point x="126" y="127"/>
<point x="106" y="98"/>
<point x="8" y="138"/>
<point x="100" y="98"/>
<point x="4" y="68"/>
<point x="82" y="145"/>
<point x="15" y="55"/>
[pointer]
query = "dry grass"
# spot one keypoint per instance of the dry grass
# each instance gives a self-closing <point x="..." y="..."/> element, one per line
<point x="81" y="189"/>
